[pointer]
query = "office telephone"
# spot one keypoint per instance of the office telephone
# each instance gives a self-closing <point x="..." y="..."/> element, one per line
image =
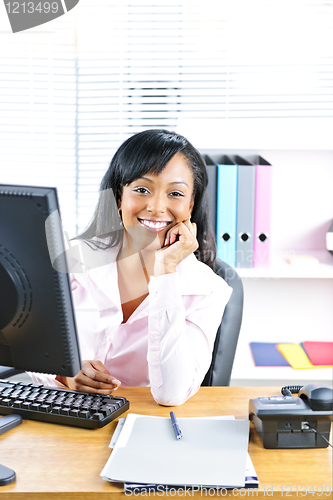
<point x="294" y="422"/>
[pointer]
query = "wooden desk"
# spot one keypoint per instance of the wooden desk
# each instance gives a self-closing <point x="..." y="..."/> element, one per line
<point x="58" y="462"/>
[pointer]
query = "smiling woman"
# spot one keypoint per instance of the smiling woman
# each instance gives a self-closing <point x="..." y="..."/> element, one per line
<point x="149" y="315"/>
<point x="142" y="158"/>
<point x="161" y="203"/>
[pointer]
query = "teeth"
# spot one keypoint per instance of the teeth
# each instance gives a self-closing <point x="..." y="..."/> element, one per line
<point x="154" y="225"/>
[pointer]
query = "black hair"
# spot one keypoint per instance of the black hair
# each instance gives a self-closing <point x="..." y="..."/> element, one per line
<point x="149" y="152"/>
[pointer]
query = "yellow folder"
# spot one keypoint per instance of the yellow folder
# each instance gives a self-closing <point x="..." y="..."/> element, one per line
<point x="296" y="356"/>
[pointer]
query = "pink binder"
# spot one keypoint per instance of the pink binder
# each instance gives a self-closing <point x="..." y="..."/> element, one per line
<point x="262" y="213"/>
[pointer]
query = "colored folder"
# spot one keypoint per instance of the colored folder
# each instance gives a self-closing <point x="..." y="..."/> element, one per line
<point x="267" y="354"/>
<point x="262" y="212"/>
<point x="211" y="188"/>
<point x="226" y="209"/>
<point x="296" y="356"/>
<point x="319" y="353"/>
<point x="245" y="212"/>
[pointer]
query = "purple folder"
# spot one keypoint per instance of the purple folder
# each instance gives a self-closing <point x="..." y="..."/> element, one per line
<point x="267" y="354"/>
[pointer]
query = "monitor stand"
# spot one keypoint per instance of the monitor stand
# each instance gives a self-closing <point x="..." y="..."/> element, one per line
<point x="7" y="422"/>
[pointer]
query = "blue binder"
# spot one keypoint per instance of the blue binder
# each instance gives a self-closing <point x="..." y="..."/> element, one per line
<point x="226" y="209"/>
<point x="245" y="212"/>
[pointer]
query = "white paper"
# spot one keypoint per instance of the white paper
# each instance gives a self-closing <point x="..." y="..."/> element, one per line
<point x="213" y="451"/>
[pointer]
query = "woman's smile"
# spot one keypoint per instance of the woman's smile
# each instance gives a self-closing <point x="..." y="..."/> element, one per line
<point x="156" y="225"/>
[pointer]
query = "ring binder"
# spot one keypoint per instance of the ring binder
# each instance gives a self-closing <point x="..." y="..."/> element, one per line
<point x="226" y="209"/>
<point x="245" y="212"/>
<point x="262" y="211"/>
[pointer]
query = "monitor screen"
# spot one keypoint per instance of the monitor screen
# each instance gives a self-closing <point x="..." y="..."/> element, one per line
<point x="37" y="321"/>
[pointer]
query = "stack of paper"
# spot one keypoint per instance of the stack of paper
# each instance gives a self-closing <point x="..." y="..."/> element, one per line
<point x="212" y="452"/>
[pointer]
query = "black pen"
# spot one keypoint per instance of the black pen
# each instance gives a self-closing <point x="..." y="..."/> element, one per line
<point x="178" y="432"/>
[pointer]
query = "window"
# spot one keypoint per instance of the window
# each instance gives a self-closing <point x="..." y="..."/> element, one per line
<point x="232" y="74"/>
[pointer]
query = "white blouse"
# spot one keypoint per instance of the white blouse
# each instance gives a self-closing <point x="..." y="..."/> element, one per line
<point x="166" y="343"/>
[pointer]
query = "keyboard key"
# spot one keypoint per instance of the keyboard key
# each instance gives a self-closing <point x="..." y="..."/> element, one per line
<point x="16" y="393"/>
<point x="46" y="408"/>
<point x="7" y="392"/>
<point x="32" y="397"/>
<point x="105" y="410"/>
<point x="87" y="404"/>
<point x="25" y="395"/>
<point x="57" y="410"/>
<point x="120" y="400"/>
<point x="74" y="413"/>
<point x="84" y="414"/>
<point x="98" y="416"/>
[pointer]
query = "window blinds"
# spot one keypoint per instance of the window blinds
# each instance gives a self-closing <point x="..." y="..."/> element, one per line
<point x="73" y="92"/>
<point x="38" y="112"/>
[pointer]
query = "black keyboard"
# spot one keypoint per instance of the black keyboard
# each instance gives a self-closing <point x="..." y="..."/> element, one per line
<point x="60" y="406"/>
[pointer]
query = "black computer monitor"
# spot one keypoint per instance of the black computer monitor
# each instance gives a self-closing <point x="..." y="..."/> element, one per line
<point x="37" y="321"/>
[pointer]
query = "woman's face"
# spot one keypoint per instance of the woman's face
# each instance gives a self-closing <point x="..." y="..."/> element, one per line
<point x="152" y="204"/>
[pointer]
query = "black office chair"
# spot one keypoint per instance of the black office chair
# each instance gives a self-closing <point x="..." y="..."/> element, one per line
<point x="226" y="339"/>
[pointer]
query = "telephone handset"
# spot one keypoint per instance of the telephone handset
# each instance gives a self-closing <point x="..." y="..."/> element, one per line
<point x="294" y="422"/>
<point x="319" y="397"/>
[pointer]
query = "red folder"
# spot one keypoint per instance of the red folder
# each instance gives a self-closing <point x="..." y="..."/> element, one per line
<point x="319" y="353"/>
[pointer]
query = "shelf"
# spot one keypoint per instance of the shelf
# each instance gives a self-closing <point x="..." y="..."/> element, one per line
<point x="284" y="302"/>
<point x="280" y="268"/>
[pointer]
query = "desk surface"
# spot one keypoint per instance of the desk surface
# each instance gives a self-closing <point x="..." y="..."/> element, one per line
<point x="59" y="462"/>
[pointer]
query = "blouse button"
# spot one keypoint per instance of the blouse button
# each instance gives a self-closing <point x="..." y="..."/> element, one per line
<point x="108" y="338"/>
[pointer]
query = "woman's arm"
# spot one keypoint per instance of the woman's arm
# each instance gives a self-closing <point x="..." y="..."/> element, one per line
<point x="181" y="338"/>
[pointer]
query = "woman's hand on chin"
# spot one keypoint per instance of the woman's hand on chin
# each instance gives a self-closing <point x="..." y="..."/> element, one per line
<point x="93" y="377"/>
<point x="180" y="242"/>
